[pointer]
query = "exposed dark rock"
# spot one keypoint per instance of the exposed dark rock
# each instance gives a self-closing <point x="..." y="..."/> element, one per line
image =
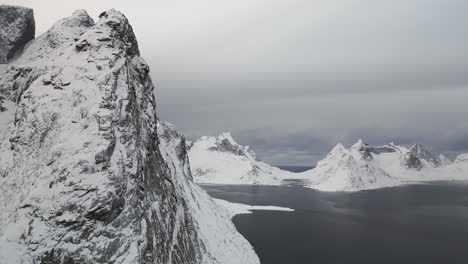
<point x="226" y="145"/>
<point x="17" y="27"/>
<point x="418" y="157"/>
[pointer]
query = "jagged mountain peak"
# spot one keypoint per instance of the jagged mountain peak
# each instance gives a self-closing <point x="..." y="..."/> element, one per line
<point x="359" y="144"/>
<point x="224" y="137"/>
<point x="228" y="136"/>
<point x="418" y="157"/>
<point x="220" y="159"/>
<point x="347" y="170"/>
<point x="88" y="172"/>
<point x="78" y="18"/>
<point x="223" y="143"/>
<point x="364" y="166"/>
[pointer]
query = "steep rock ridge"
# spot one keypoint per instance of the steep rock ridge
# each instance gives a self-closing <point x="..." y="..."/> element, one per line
<point x="17" y="27"/>
<point x="221" y="160"/>
<point x="397" y="159"/>
<point x="225" y="143"/>
<point x="213" y="221"/>
<point x="87" y="172"/>
<point x="418" y="157"/>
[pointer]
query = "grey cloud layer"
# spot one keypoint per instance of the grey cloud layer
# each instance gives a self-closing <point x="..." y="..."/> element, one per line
<point x="293" y="78"/>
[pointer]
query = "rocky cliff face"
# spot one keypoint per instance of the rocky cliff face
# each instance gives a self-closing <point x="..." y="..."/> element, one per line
<point x="88" y="174"/>
<point x="17" y="27"/>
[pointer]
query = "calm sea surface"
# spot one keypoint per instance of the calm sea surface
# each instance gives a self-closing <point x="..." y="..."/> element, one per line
<point x="410" y="224"/>
<point x="295" y="168"/>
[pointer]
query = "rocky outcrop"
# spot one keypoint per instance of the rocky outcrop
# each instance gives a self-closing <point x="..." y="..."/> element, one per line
<point x="17" y="27"/>
<point x="88" y="174"/>
<point x="225" y="143"/>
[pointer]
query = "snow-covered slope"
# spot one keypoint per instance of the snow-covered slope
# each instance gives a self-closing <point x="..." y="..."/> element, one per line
<point x="368" y="167"/>
<point x="456" y="170"/>
<point x="221" y="160"/>
<point x="88" y="172"/>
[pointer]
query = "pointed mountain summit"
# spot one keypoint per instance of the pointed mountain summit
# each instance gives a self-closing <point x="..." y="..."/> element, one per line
<point x="363" y="166"/>
<point x="350" y="169"/>
<point x="221" y="160"/>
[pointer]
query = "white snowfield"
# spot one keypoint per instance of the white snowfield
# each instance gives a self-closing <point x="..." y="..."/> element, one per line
<point x="88" y="174"/>
<point x="221" y="160"/>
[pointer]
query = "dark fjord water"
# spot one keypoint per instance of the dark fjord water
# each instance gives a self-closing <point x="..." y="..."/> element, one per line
<point x="295" y="168"/>
<point x="411" y="224"/>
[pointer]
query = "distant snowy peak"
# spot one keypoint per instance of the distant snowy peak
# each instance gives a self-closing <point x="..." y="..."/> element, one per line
<point x="347" y="170"/>
<point x="363" y="166"/>
<point x="221" y="160"/>
<point x="415" y="157"/>
<point x="418" y="157"/>
<point x="225" y="143"/>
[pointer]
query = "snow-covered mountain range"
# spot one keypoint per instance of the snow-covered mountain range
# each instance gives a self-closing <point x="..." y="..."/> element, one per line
<point x="368" y="167"/>
<point x="221" y="160"/>
<point x="88" y="174"/>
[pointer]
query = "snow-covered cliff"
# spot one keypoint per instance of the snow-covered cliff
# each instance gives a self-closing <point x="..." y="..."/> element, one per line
<point x="221" y="160"/>
<point x="88" y="174"/>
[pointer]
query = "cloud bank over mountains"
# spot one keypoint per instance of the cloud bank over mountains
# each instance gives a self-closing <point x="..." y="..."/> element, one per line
<point x="293" y="78"/>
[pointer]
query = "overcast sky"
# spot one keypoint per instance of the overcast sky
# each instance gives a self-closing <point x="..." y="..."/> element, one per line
<point x="293" y="78"/>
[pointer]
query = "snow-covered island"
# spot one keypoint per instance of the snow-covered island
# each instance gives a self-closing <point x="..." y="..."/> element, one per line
<point x="221" y="160"/>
